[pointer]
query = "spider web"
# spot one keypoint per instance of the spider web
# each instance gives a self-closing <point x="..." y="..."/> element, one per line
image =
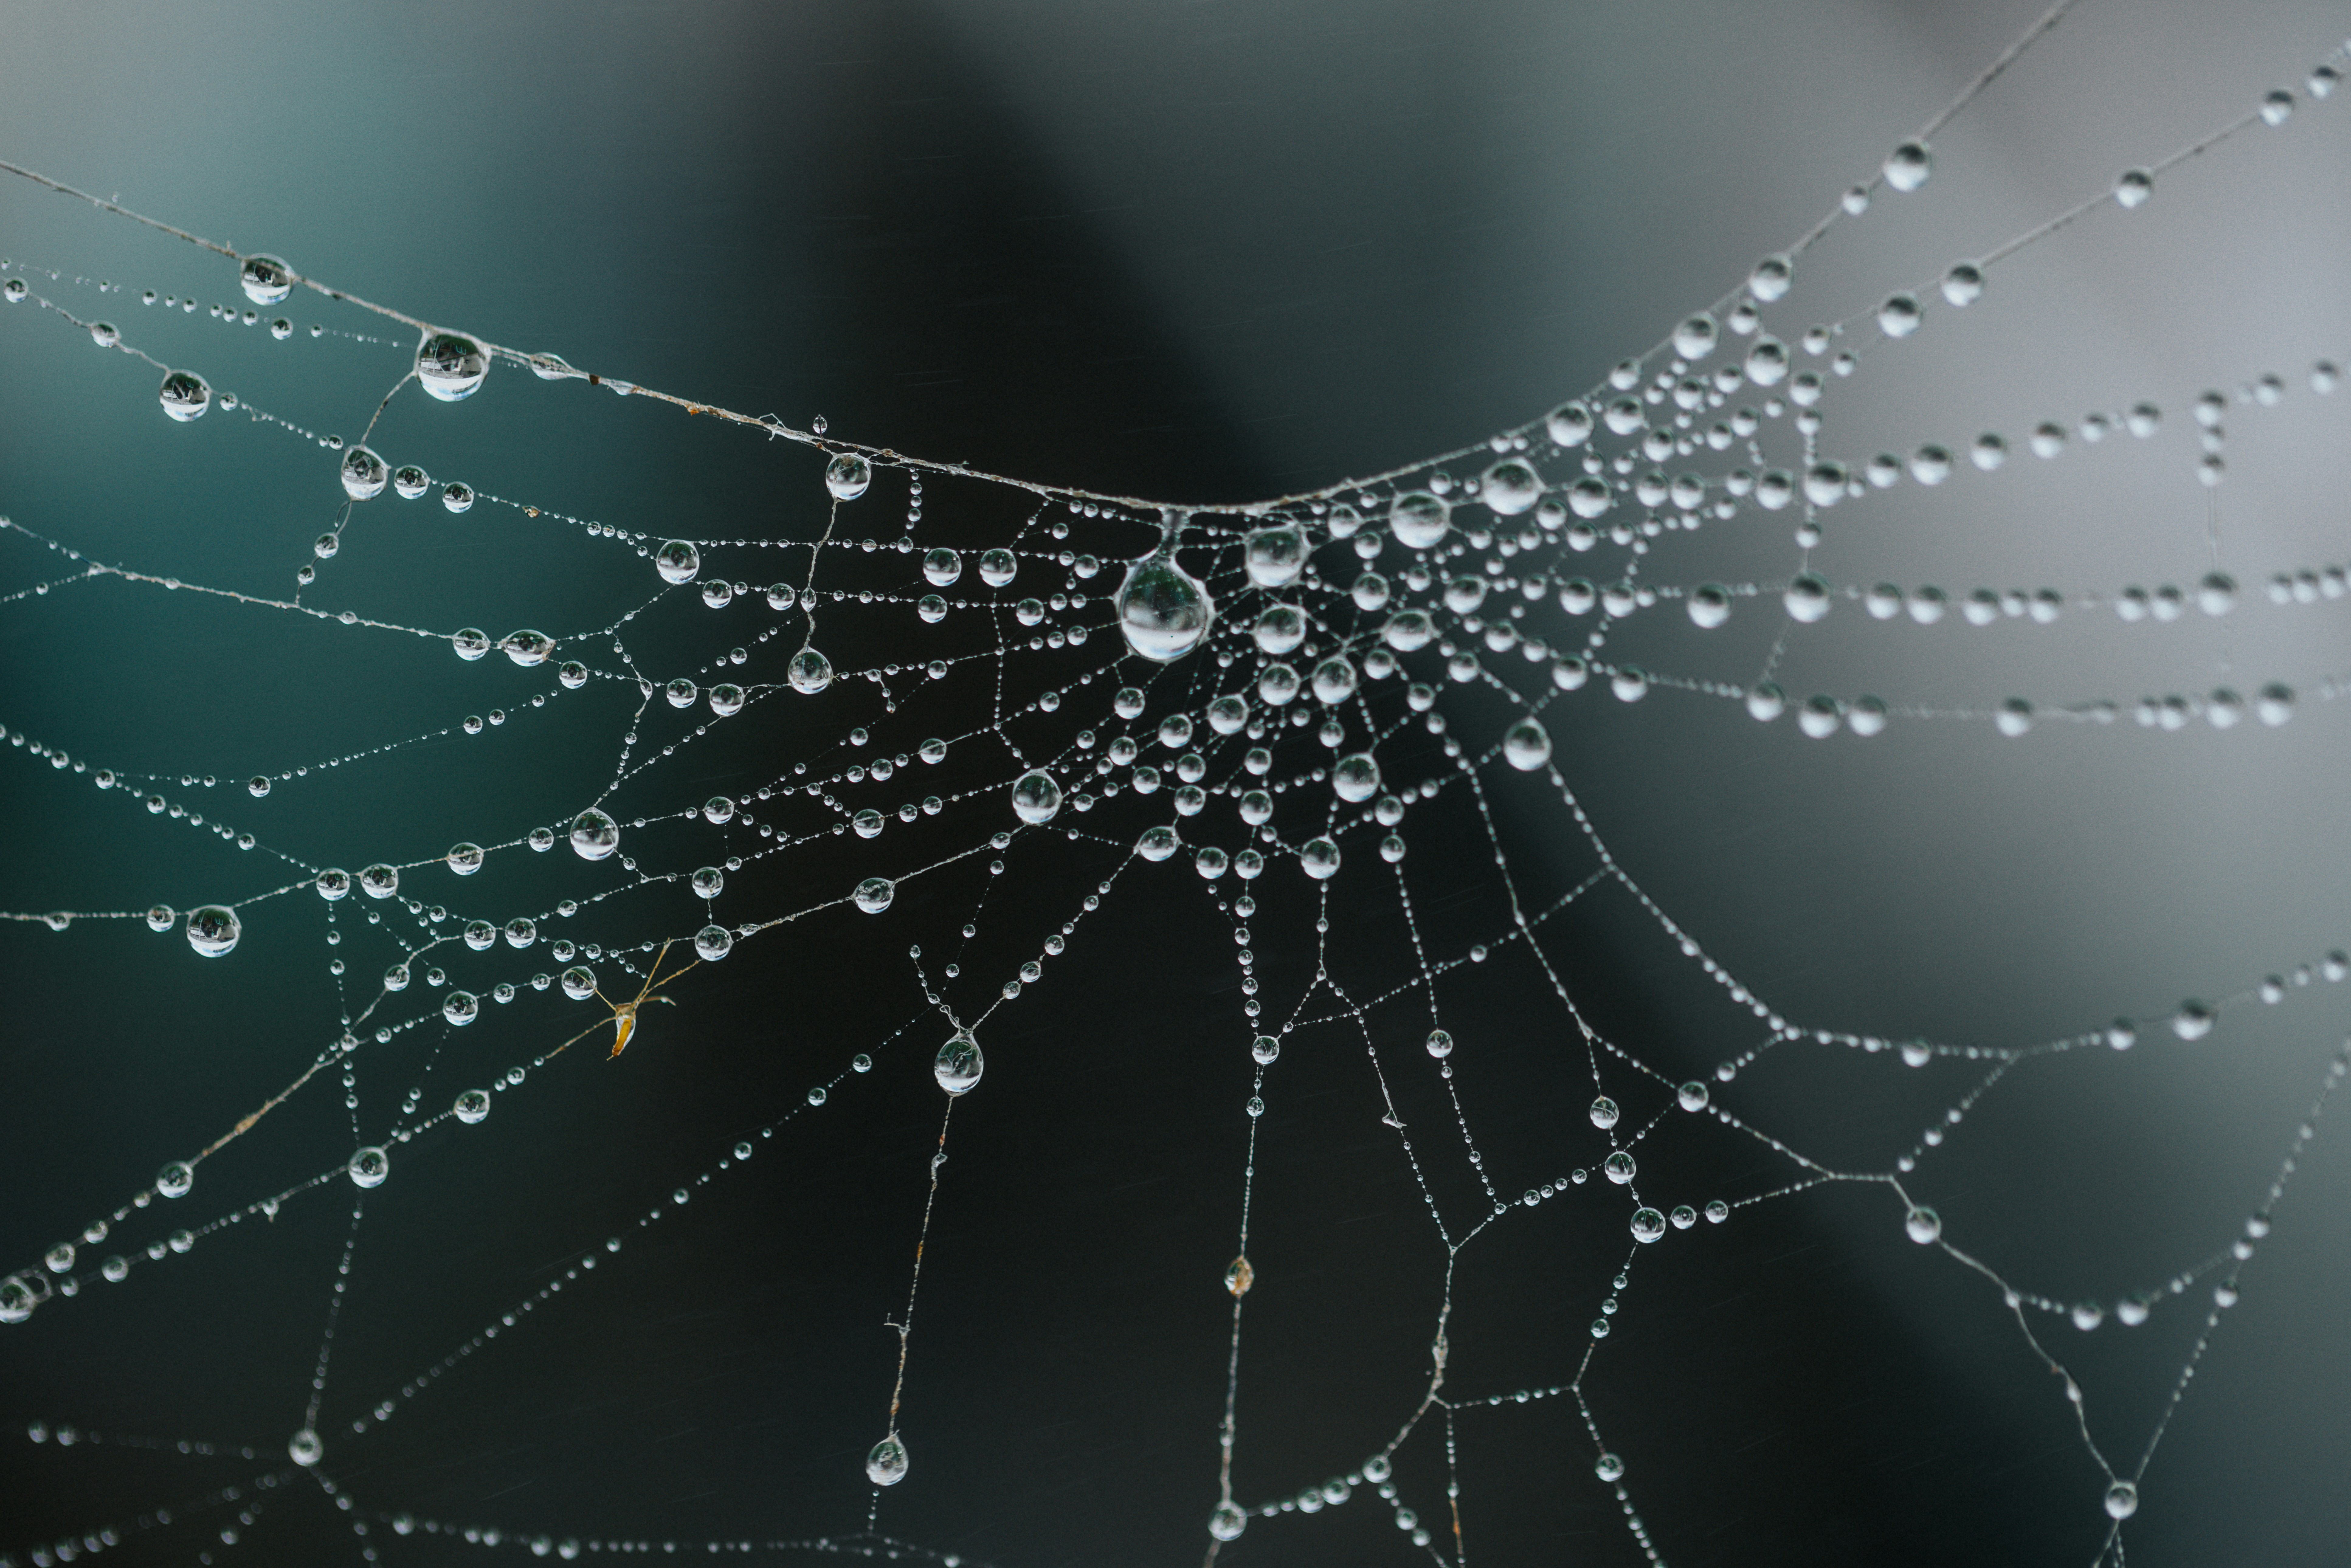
<point x="1320" y="727"/>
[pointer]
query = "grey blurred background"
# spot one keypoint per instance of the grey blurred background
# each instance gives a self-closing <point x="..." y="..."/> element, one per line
<point x="1214" y="252"/>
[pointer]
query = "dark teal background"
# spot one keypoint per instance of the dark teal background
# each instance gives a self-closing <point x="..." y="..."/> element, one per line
<point x="1211" y="251"/>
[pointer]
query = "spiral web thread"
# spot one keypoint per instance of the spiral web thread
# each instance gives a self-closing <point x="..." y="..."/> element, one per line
<point x="1351" y="626"/>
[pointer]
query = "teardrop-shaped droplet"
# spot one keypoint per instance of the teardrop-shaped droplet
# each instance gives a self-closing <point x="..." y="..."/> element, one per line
<point x="959" y="1065"/>
<point x="594" y="835"/>
<point x="364" y="473"/>
<point x="1163" y="609"/>
<point x="885" y="1466"/>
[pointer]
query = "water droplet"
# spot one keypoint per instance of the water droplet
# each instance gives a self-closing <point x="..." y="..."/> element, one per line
<point x="473" y="1105"/>
<point x="1909" y="166"/>
<point x="594" y="835"/>
<point x="1440" y="1044"/>
<point x="1963" y="284"/>
<point x="1227" y="1522"/>
<point x="303" y="1447"/>
<point x="364" y="473"/>
<point x="1695" y="338"/>
<point x="369" y="1166"/>
<point x="1282" y="628"/>
<point x="185" y="395"/>
<point x="958" y="1064"/>
<point x="1767" y="363"/>
<point x="2134" y="188"/>
<point x="885" y="1466"/>
<point x="529" y="648"/>
<point x="1569" y="424"/>
<point x="1239" y="1277"/>
<point x="213" y="930"/>
<point x="1608" y="1468"/>
<point x="1619" y="1167"/>
<point x="1274" y="557"/>
<point x="874" y="894"/>
<point x="1163" y="609"/>
<point x="1603" y="1112"/>
<point x="1526" y="745"/>
<point x="2122" y="1500"/>
<point x="1647" y="1225"/>
<point x="1510" y="486"/>
<point x="1709" y="605"/>
<point x="1807" y="597"/>
<point x="1355" y="777"/>
<point x="2193" y="1020"/>
<point x="1418" y="519"/>
<point x="175" y="1179"/>
<point x="712" y="943"/>
<point x="451" y="366"/>
<point x="677" y="561"/>
<point x="1923" y="1226"/>
<point x="810" y="672"/>
<point x="1034" y="797"/>
<point x="1770" y="279"/>
<point x="1320" y="858"/>
<point x="847" y="476"/>
<point x="1898" y="317"/>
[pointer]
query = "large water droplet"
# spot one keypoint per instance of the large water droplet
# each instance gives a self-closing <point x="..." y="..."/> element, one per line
<point x="450" y="366"/>
<point x="886" y="1465"/>
<point x="846" y="476"/>
<point x="1227" y="1522"/>
<point x="594" y="835"/>
<point x="810" y="672"/>
<point x="1163" y="609"/>
<point x="1034" y="797"/>
<point x="184" y="395"/>
<point x="304" y="1448"/>
<point x="1909" y="166"/>
<point x="213" y="929"/>
<point x="1418" y="519"/>
<point x="265" y="279"/>
<point x="1282" y="628"/>
<point x="1356" y="778"/>
<point x="369" y="1166"/>
<point x="363" y="474"/>
<point x="1275" y="556"/>
<point x="958" y="1064"/>
<point x="1510" y="486"/>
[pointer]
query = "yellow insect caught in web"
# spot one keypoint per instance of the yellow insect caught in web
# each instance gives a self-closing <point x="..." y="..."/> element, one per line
<point x="625" y="1014"/>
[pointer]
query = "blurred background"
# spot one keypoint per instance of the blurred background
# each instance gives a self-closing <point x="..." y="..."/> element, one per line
<point x="1209" y="252"/>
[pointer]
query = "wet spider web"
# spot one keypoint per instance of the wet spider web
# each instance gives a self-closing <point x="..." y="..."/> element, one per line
<point x="1290" y="719"/>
